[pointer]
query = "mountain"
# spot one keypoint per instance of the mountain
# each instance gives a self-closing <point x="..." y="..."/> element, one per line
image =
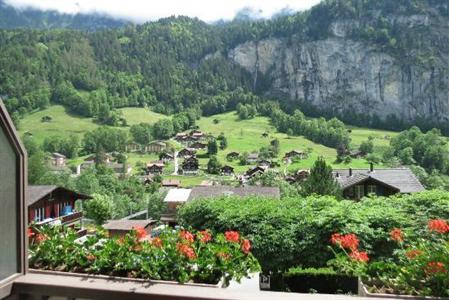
<point x="11" y="17"/>
<point x="378" y="63"/>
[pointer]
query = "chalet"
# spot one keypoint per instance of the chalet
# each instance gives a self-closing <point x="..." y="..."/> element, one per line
<point x="190" y="166"/>
<point x="356" y="154"/>
<point x="358" y="183"/>
<point x="198" y="135"/>
<point x="294" y="154"/>
<point x="299" y="176"/>
<point x="170" y="183"/>
<point x="146" y="179"/>
<point x="119" y="228"/>
<point x="106" y="158"/>
<point x="155" y="167"/>
<point x="120" y="169"/>
<point x="255" y="171"/>
<point x="227" y="170"/>
<point x="232" y="155"/>
<point x="155" y="147"/>
<point x="165" y="157"/>
<point x="180" y="137"/>
<point x="50" y="204"/>
<point x="198" y="146"/>
<point x="253" y="158"/>
<point x="264" y="163"/>
<point x="133" y="147"/>
<point x="177" y="197"/>
<point x="57" y="160"/>
<point x="186" y="152"/>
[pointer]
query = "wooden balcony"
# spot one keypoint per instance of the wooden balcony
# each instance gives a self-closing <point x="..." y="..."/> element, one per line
<point x="71" y="218"/>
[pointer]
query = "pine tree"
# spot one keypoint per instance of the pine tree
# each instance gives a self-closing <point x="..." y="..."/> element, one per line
<point x="321" y="180"/>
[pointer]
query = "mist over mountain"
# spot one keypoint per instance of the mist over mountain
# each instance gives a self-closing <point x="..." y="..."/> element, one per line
<point x="11" y="17"/>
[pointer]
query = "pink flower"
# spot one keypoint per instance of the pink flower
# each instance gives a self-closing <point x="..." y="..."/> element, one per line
<point x="439" y="225"/>
<point x="232" y="236"/>
<point x="246" y="246"/>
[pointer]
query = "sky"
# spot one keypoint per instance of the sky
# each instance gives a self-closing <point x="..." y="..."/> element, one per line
<point x="146" y="10"/>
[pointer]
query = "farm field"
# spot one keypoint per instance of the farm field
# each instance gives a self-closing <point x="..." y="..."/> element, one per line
<point x="66" y="124"/>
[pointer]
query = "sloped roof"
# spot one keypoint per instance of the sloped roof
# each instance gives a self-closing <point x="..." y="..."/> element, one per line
<point x="37" y="192"/>
<point x="402" y="179"/>
<point x="127" y="224"/>
<point x="200" y="192"/>
<point x="177" y="195"/>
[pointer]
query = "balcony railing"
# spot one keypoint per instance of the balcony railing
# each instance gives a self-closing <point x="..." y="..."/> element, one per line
<point x="72" y="217"/>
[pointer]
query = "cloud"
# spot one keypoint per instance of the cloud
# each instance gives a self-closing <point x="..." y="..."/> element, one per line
<point x="145" y="10"/>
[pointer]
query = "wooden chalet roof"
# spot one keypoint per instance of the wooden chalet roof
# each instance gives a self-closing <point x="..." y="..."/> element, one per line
<point x="201" y="192"/>
<point x="401" y="179"/>
<point x="37" y="192"/>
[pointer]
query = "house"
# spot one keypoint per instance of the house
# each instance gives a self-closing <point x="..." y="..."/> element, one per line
<point x="264" y="163"/>
<point x="356" y="154"/>
<point x="289" y="156"/>
<point x="155" y="167"/>
<point x="50" y="204"/>
<point x="58" y="160"/>
<point x="198" y="135"/>
<point x="227" y="170"/>
<point x="180" y="137"/>
<point x="232" y="155"/>
<point x="299" y="176"/>
<point x="190" y="166"/>
<point x="177" y="197"/>
<point x="155" y="147"/>
<point x="186" y="152"/>
<point x="198" y="146"/>
<point x="170" y="183"/>
<point x="119" y="228"/>
<point x="166" y="157"/>
<point x="255" y="171"/>
<point x="358" y="183"/>
<point x="133" y="147"/>
<point x="253" y="158"/>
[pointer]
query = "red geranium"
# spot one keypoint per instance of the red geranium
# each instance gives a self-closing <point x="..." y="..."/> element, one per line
<point x="140" y="232"/>
<point x="30" y="233"/>
<point x="412" y="254"/>
<point x="347" y="241"/>
<point x="246" y="246"/>
<point x="186" y="250"/>
<point x="40" y="238"/>
<point x="204" y="236"/>
<point x="438" y="225"/>
<point x="397" y="235"/>
<point x="157" y="242"/>
<point x="232" y="236"/>
<point x="360" y="256"/>
<point x="186" y="236"/>
<point x="434" y="267"/>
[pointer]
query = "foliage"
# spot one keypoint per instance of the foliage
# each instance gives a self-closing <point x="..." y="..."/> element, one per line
<point x="106" y="139"/>
<point x="213" y="165"/>
<point x="68" y="146"/>
<point x="182" y="256"/>
<point x="99" y="208"/>
<point x="212" y="147"/>
<point x="321" y="181"/>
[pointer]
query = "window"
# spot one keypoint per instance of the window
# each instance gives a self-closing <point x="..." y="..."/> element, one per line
<point x="372" y="189"/>
<point x="359" y="191"/>
<point x="39" y="214"/>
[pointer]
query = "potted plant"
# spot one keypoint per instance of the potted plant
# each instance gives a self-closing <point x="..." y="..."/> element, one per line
<point x="176" y="255"/>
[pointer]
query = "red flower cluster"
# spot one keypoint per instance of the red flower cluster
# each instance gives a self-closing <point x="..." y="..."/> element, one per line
<point x="246" y="246"/>
<point x="397" y="235"/>
<point x="204" y="236"/>
<point x="347" y="241"/>
<point x="232" y="236"/>
<point x="40" y="238"/>
<point x="361" y="256"/>
<point x="30" y="233"/>
<point x="434" y="267"/>
<point x="186" y="250"/>
<point x="157" y="242"/>
<point x="412" y="254"/>
<point x="350" y="242"/>
<point x="140" y="232"/>
<point x="186" y="236"/>
<point x="440" y="226"/>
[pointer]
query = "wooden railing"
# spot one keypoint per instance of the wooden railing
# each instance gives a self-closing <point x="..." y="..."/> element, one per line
<point x="72" y="217"/>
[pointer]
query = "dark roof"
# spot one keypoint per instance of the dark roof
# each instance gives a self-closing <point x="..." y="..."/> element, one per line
<point x="127" y="224"/>
<point x="37" y="192"/>
<point x="223" y="190"/>
<point x="402" y="179"/>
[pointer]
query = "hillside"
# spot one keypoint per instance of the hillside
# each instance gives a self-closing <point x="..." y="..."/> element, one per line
<point x="11" y="17"/>
<point x="371" y="63"/>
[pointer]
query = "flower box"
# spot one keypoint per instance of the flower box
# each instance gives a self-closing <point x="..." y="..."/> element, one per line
<point x="364" y="292"/>
<point x="220" y="284"/>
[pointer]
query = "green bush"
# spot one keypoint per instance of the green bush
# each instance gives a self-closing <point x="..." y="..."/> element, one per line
<point x="296" y="231"/>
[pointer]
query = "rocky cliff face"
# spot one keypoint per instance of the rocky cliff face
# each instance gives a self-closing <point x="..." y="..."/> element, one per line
<point x="342" y="74"/>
